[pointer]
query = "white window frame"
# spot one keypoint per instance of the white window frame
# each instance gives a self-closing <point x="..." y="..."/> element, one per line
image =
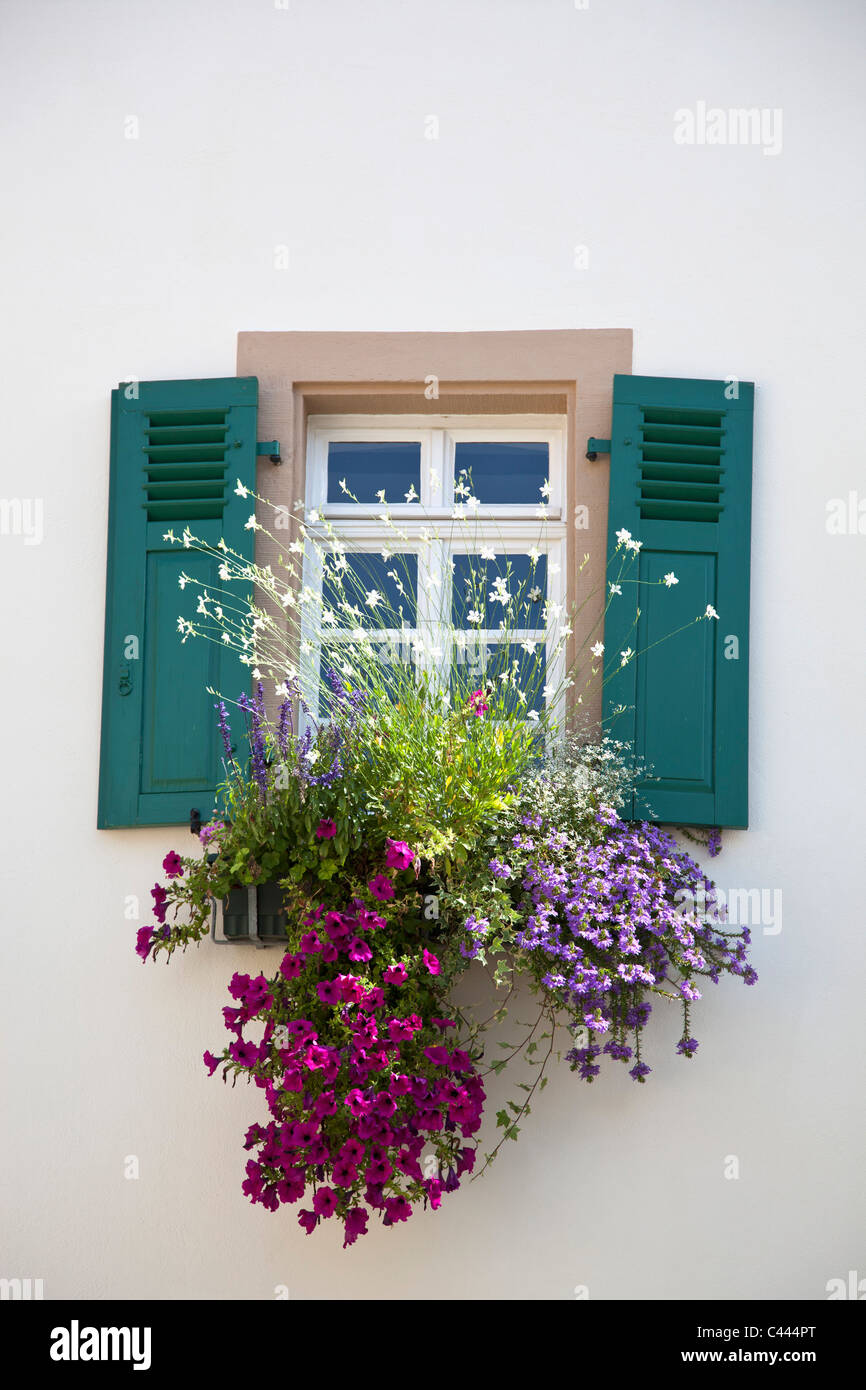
<point x="438" y="436"/>
<point x="512" y="528"/>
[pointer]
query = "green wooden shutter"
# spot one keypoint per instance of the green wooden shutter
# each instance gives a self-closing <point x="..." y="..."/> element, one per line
<point x="680" y="482"/>
<point x="177" y="451"/>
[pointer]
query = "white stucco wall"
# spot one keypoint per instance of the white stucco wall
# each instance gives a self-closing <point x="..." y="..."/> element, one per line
<point x="305" y="127"/>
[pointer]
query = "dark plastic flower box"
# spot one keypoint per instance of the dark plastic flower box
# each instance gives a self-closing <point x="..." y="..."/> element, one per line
<point x="253" y="915"/>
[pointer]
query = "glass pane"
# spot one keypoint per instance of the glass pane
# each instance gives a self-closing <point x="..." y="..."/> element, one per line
<point x="393" y="662"/>
<point x="481" y="665"/>
<point x="502" y="473"/>
<point x="377" y="588"/>
<point x="368" y="467"/>
<point x="476" y="582"/>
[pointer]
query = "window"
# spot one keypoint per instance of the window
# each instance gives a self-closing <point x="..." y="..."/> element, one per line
<point x="477" y="511"/>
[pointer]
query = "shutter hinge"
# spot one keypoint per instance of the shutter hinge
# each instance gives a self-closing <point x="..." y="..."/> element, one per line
<point x="594" y="447"/>
<point x="270" y="447"/>
<point x="194" y="821"/>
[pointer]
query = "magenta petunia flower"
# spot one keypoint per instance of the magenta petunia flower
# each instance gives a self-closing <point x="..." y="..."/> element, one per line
<point x="355" y="1225"/>
<point x="143" y="939"/>
<point x="431" y="963"/>
<point x="410" y="1166"/>
<point x="434" y="1192"/>
<point x="368" y="920"/>
<point x="306" y="1133"/>
<point x="246" y="1053"/>
<point x="352" y="1151"/>
<point x="301" y="1028"/>
<point x="351" y="988"/>
<point x="478" y="703"/>
<point x="379" y="1171"/>
<point x="329" y="992"/>
<point x="326" y="829"/>
<point x="211" y="1062"/>
<point x="310" y="943"/>
<point x="356" y="1102"/>
<point x="358" y="950"/>
<point x="173" y="864"/>
<point x="254" y="1183"/>
<point x="316" y="1058"/>
<point x="292" y="1186"/>
<point x="239" y="985"/>
<point x="160" y="901"/>
<point x="381" y="887"/>
<point x="396" y="974"/>
<point x="465" y="1162"/>
<point x="337" y="926"/>
<point x="429" y="1119"/>
<point x="400" y="1030"/>
<point x="397" y="1208"/>
<point x="344" y="1173"/>
<point x="398" y="855"/>
<point x="325" y="1202"/>
<point x="291" y="966"/>
<point x="309" y="1220"/>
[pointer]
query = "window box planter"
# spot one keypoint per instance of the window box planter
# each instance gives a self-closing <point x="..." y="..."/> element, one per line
<point x="251" y="915"/>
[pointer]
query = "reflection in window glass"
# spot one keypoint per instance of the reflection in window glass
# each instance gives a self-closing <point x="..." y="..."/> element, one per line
<point x="378" y="589"/>
<point x="481" y="665"/>
<point x="394" y="663"/>
<point x="369" y="467"/>
<point x="477" y="582"/>
<point x="502" y="472"/>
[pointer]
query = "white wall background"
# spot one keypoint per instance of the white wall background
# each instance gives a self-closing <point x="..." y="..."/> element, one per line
<point x="305" y="127"/>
